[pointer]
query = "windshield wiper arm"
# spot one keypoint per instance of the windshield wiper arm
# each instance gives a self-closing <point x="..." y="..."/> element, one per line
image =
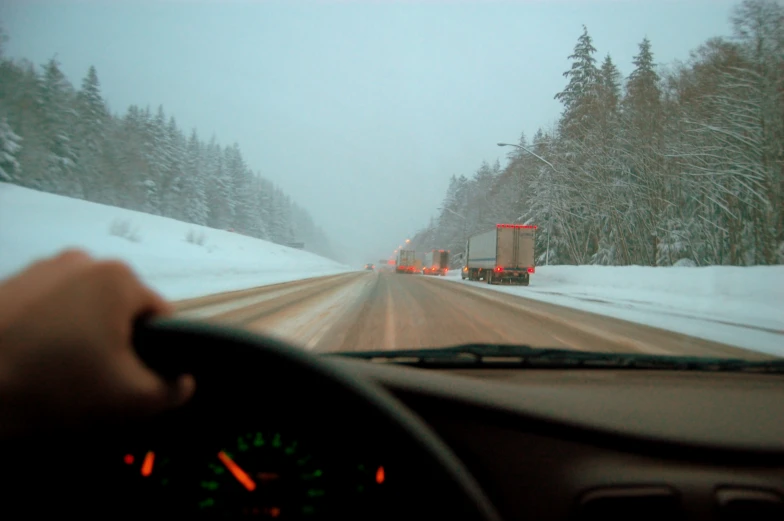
<point x="501" y="355"/>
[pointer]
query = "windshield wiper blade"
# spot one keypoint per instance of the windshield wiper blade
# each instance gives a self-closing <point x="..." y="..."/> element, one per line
<point x="502" y="355"/>
<point x="475" y="352"/>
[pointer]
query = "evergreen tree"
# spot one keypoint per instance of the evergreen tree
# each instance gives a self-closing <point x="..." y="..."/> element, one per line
<point x="90" y="133"/>
<point x="174" y="203"/>
<point x="55" y="94"/>
<point x="645" y="152"/>
<point x="10" y="169"/>
<point x="239" y="181"/>
<point x="73" y="146"/>
<point x="643" y="96"/>
<point x="195" y="193"/>
<point x="609" y="87"/>
<point x="579" y="95"/>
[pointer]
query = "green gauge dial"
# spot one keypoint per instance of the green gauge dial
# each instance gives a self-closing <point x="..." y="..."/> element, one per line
<point x="263" y="474"/>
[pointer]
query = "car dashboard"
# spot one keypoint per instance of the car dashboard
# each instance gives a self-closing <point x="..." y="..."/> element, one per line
<point x="542" y="444"/>
<point x="558" y="444"/>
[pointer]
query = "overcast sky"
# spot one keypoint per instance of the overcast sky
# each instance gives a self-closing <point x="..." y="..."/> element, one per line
<point x="360" y="110"/>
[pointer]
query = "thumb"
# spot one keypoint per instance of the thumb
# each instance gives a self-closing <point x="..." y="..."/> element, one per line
<point x="152" y="394"/>
<point x="181" y="390"/>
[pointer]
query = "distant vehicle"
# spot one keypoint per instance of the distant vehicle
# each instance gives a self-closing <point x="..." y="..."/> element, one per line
<point x="502" y="255"/>
<point x="406" y="261"/>
<point x="436" y="263"/>
<point x="370" y="267"/>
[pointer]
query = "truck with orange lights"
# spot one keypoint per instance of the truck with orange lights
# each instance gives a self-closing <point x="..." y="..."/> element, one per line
<point x="406" y="261"/>
<point x="436" y="262"/>
<point x="504" y="255"/>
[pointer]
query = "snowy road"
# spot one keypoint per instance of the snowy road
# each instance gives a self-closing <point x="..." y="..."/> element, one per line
<point x="368" y="311"/>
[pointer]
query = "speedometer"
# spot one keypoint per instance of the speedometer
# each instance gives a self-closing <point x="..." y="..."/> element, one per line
<point x="263" y="474"/>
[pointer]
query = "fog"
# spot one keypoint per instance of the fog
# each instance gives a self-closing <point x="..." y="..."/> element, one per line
<point x="360" y="111"/>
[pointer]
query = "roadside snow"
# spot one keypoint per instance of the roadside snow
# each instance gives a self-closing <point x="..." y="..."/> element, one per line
<point x="36" y="224"/>
<point x="734" y="305"/>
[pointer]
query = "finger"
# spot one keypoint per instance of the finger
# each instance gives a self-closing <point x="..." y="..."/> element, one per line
<point x="146" y="303"/>
<point x="182" y="391"/>
<point x="41" y="277"/>
<point x="154" y="304"/>
<point x="72" y="256"/>
<point x="60" y="266"/>
<point x="136" y="298"/>
<point x="150" y="302"/>
<point x="148" y="393"/>
<point x="42" y="271"/>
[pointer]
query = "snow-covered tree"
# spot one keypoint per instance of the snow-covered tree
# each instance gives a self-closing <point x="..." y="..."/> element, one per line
<point x="10" y="169"/>
<point x="579" y="97"/>
<point x="174" y="202"/>
<point x="56" y="103"/>
<point x="194" y="190"/>
<point x="56" y="139"/>
<point x="90" y="134"/>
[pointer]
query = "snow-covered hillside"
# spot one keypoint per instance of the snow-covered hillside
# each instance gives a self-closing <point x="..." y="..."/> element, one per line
<point x="36" y="224"/>
<point x="741" y="306"/>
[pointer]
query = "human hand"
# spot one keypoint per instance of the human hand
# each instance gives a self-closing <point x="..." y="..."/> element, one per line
<point x="66" y="357"/>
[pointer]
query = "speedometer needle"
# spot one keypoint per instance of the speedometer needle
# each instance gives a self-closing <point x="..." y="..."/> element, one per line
<point x="237" y="472"/>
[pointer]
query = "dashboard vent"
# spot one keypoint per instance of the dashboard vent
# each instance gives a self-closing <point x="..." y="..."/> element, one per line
<point x="625" y="503"/>
<point x="737" y="504"/>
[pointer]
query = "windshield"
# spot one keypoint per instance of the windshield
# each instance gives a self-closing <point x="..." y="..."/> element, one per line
<point x="603" y="176"/>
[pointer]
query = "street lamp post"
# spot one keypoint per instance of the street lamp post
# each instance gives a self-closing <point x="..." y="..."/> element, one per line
<point x="537" y="156"/>
<point x="465" y="232"/>
<point x="549" y="201"/>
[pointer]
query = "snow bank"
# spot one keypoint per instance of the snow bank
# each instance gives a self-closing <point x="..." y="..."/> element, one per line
<point x="36" y="224"/>
<point x="741" y="306"/>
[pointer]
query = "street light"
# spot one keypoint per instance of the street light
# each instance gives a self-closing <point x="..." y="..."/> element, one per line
<point x="408" y="240"/>
<point x="549" y="202"/>
<point x="537" y="156"/>
<point x="452" y="211"/>
<point x="465" y="220"/>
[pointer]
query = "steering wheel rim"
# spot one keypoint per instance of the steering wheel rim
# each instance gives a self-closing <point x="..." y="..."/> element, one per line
<point x="172" y="347"/>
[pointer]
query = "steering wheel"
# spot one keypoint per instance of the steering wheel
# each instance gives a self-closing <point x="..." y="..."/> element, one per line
<point x="246" y="382"/>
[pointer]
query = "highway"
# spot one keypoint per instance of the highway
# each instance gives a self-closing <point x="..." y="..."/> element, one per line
<point x="362" y="311"/>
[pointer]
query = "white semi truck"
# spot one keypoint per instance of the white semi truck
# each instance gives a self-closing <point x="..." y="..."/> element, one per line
<point x="436" y="262"/>
<point x="504" y="255"/>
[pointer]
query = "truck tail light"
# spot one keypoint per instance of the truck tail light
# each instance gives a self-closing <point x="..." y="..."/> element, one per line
<point x="498" y="269"/>
<point x="531" y="270"/>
